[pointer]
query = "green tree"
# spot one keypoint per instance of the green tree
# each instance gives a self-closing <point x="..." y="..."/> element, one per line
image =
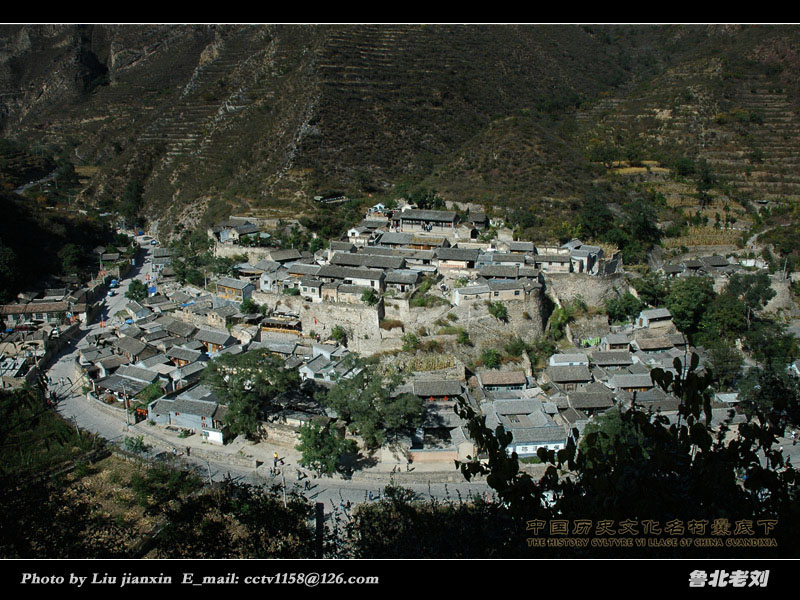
<point x="323" y="446"/>
<point x="603" y="152"/>
<point x="725" y="362"/>
<point x="770" y="395"/>
<point x="131" y="201"/>
<point x="8" y="274"/>
<point x="71" y="256"/>
<point x="754" y="289"/>
<point x="410" y="342"/>
<point x="463" y="338"/>
<point x="499" y="311"/>
<point x="369" y="297"/>
<point x="685" y="469"/>
<point x="248" y="384"/>
<point x="137" y="291"/>
<point x="652" y="288"/>
<point x="490" y="358"/>
<point x="723" y="319"/>
<point x="237" y="520"/>
<point x="595" y="218"/>
<point x="624" y="308"/>
<point x="642" y="222"/>
<point x="610" y="435"/>
<point x="684" y="166"/>
<point x="162" y="483"/>
<point x="687" y="300"/>
<point x="515" y="347"/>
<point x="250" y="306"/>
<point x="366" y="399"/>
<point x="770" y="343"/>
<point x="338" y="334"/>
<point x="705" y="181"/>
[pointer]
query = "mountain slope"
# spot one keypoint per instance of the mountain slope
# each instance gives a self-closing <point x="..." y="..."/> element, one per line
<point x="209" y="120"/>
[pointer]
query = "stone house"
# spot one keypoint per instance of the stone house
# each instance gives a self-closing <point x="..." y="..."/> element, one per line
<point x="493" y="381"/>
<point x="654" y="317"/>
<point x="374" y="278"/>
<point x="568" y="378"/>
<point x="236" y="290"/>
<point x="196" y="408"/>
<point x="425" y="220"/>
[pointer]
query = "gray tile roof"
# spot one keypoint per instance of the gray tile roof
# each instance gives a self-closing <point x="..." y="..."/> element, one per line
<point x="395" y="238"/>
<point x="214" y="337"/>
<point x="655" y="343"/>
<point x="368" y="260"/>
<point x="612" y="358"/>
<point x="438" y="216"/>
<point x="437" y="388"/>
<point x="184" y="354"/>
<point x="499" y="271"/>
<point x="551" y="433"/>
<point x="569" y="374"/>
<point x="336" y="272"/>
<point x="493" y="378"/>
<point x="116" y="383"/>
<point x="230" y="282"/>
<point x="498" y="285"/>
<point x="285" y="255"/>
<point x="137" y="373"/>
<point x="303" y="269"/>
<point x="592" y="400"/>
<point x="631" y="381"/>
<point x="405" y="276"/>
<point x="656" y="313"/>
<point x="465" y="254"/>
<point x="471" y="290"/>
<point x="521" y="247"/>
<point x="130" y="345"/>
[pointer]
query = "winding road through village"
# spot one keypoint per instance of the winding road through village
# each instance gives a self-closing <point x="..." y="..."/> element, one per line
<point x="215" y="462"/>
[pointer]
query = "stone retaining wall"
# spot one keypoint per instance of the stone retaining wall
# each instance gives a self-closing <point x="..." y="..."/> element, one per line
<point x="593" y="289"/>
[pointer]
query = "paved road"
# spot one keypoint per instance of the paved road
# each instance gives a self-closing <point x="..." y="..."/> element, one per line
<point x="74" y="406"/>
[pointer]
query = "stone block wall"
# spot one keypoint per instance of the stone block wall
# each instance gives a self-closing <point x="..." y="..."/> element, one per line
<point x="565" y="287"/>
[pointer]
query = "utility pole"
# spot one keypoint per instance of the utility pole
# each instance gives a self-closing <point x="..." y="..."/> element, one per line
<point x="320" y="529"/>
<point x="125" y="404"/>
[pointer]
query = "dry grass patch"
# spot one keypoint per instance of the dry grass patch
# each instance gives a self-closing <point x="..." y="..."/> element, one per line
<point x="107" y="488"/>
<point x="704" y="236"/>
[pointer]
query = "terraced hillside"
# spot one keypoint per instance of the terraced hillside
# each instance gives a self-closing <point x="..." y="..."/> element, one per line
<point x="735" y="108"/>
<point x="190" y="123"/>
